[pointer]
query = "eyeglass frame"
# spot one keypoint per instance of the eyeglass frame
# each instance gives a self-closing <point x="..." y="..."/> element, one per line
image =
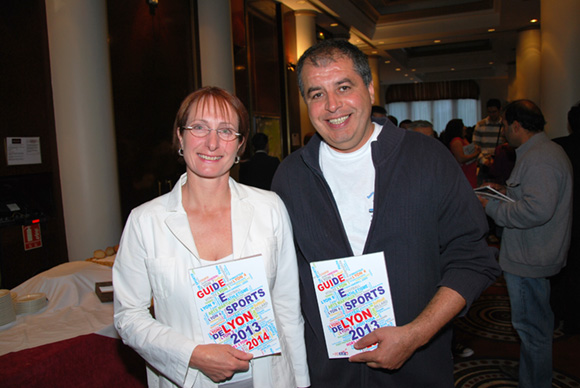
<point x="217" y="130"/>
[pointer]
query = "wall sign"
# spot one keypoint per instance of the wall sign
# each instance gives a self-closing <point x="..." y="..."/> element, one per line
<point x="23" y="150"/>
<point x="32" y="236"/>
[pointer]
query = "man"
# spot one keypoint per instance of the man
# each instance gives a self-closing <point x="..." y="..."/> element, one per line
<point x="566" y="287"/>
<point x="422" y="126"/>
<point x="536" y="235"/>
<point x="359" y="187"/>
<point x="260" y="169"/>
<point x="405" y="123"/>
<point x="378" y="111"/>
<point x="379" y="115"/>
<point x="487" y="135"/>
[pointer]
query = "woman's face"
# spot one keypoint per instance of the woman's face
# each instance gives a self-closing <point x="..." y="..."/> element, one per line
<point x="210" y="156"/>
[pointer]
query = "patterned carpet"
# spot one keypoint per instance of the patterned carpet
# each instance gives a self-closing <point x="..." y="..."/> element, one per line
<point x="488" y="331"/>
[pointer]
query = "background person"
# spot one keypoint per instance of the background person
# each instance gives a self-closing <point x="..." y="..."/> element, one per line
<point x="423" y="126"/>
<point x="260" y="169"/>
<point x="487" y="135"/>
<point x="379" y="114"/>
<point x="454" y="139"/>
<point x="566" y="285"/>
<point x="207" y="218"/>
<point x="536" y="235"/>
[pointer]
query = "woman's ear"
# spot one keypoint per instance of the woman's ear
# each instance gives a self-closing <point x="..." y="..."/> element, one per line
<point x="179" y="137"/>
<point x="241" y="146"/>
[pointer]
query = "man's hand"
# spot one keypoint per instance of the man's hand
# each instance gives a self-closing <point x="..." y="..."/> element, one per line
<point x="395" y="346"/>
<point x="219" y="362"/>
<point x="483" y="200"/>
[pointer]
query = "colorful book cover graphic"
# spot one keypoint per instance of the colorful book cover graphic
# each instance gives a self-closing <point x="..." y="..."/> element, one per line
<point x="235" y="305"/>
<point x="354" y="299"/>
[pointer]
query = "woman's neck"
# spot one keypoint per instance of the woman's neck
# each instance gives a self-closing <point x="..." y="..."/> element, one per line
<point x="201" y="194"/>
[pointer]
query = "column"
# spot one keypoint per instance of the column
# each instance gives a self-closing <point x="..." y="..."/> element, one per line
<point x="305" y="37"/>
<point x="512" y="82"/>
<point x="528" y="58"/>
<point x="83" y="110"/>
<point x="215" y="44"/>
<point x="374" y="65"/>
<point x="560" y="62"/>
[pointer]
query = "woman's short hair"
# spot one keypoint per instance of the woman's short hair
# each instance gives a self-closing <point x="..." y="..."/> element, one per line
<point x="224" y="101"/>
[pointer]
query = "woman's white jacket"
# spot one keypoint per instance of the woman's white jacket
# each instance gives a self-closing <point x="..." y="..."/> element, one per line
<point x="156" y="252"/>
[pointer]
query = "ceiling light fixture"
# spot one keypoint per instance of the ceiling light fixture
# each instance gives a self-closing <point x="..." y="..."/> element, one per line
<point x="333" y="24"/>
<point x="534" y="21"/>
<point x="437" y="41"/>
<point x="491" y="30"/>
<point x="398" y="69"/>
<point x="152" y="6"/>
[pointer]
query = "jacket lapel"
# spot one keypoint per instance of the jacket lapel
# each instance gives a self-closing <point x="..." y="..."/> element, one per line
<point x="179" y="226"/>
<point x="177" y="220"/>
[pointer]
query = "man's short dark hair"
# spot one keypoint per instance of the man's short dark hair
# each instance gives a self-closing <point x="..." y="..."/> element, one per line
<point x="526" y="113"/>
<point x="493" y="102"/>
<point x="378" y="109"/>
<point x="259" y="141"/>
<point x="328" y="51"/>
<point x="574" y="118"/>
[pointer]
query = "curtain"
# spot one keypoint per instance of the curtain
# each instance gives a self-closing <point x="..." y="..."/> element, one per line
<point x="429" y="91"/>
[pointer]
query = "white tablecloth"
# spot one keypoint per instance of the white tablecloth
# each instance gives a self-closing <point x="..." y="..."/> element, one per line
<point x="73" y="308"/>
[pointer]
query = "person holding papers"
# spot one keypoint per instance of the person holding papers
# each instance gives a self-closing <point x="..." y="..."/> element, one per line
<point x="536" y="235"/>
<point x="359" y="187"/>
<point x="207" y="218"/>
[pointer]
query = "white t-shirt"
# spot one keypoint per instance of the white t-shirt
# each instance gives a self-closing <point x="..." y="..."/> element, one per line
<point x="351" y="177"/>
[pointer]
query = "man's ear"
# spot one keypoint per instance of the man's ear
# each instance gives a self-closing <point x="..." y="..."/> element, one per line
<point x="372" y="92"/>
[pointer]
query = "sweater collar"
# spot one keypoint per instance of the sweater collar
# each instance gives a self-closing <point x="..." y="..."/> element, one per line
<point x="538" y="138"/>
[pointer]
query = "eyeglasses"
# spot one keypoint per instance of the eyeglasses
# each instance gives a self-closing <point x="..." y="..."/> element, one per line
<point x="200" y="130"/>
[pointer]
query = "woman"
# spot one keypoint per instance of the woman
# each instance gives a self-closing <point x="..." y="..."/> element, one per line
<point x="206" y="218"/>
<point x="456" y="142"/>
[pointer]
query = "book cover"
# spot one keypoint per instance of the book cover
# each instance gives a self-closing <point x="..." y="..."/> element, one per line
<point x="490" y="192"/>
<point x="354" y="299"/>
<point x="235" y="307"/>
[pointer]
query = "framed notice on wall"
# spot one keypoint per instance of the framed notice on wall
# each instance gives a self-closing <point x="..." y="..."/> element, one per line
<point x="23" y="150"/>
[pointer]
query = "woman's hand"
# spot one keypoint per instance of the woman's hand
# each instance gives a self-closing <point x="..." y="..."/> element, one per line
<point x="219" y="362"/>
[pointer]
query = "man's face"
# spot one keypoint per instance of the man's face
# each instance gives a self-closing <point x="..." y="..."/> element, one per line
<point x="339" y="103"/>
<point x="493" y="113"/>
<point x="510" y="135"/>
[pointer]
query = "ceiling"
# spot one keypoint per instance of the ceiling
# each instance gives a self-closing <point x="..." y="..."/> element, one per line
<point x="429" y="40"/>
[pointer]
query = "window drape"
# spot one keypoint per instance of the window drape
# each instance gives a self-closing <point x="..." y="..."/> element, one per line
<point x="430" y="91"/>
